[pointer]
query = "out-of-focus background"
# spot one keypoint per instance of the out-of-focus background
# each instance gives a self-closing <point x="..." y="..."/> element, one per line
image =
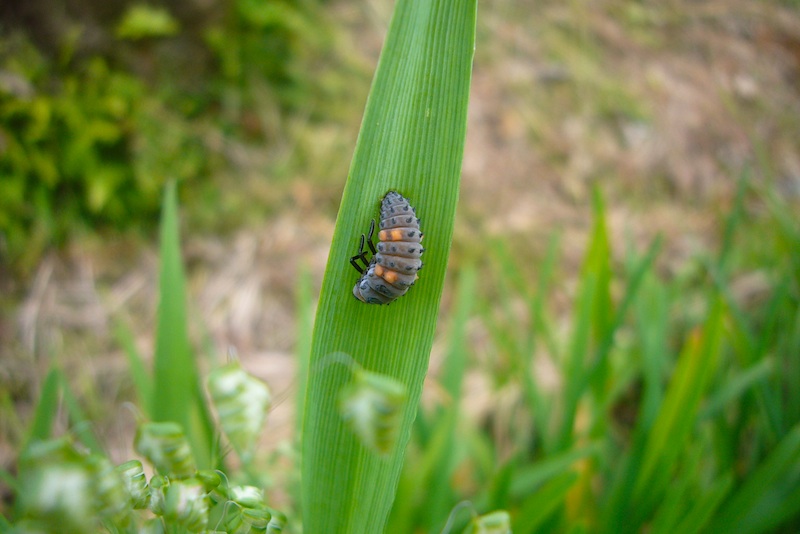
<point x="253" y="107"/>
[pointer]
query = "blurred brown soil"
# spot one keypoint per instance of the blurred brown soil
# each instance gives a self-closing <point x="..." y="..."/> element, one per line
<point x="663" y="105"/>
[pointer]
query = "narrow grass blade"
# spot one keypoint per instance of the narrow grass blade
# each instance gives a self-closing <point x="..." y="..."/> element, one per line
<point x="541" y="323"/>
<point x="175" y="374"/>
<point x="142" y="381"/>
<point x="678" y="412"/>
<point x="597" y="372"/>
<point x="518" y="335"/>
<point x="703" y="509"/>
<point x="528" y="478"/>
<point x="652" y="314"/>
<point x="46" y="408"/>
<point x="536" y="508"/>
<point x="541" y="331"/>
<point x="788" y="234"/>
<point x="500" y="484"/>
<point x="673" y="506"/>
<point x="5" y="526"/>
<point x="439" y="489"/>
<point x="594" y="313"/>
<point x="789" y="351"/>
<point x="690" y="502"/>
<point x="575" y="367"/>
<point x="598" y="261"/>
<point x="732" y="223"/>
<point x="82" y="427"/>
<point x="736" y="387"/>
<point x="412" y="141"/>
<point x="176" y="392"/>
<point x="769" y="495"/>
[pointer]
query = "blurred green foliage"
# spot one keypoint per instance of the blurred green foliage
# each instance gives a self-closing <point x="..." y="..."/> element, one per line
<point x="670" y="404"/>
<point x="64" y="149"/>
<point x="82" y="146"/>
<point x="142" y="21"/>
<point x="88" y="138"/>
<point x="268" y="42"/>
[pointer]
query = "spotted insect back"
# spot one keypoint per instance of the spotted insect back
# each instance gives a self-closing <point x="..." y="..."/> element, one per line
<point x="397" y="258"/>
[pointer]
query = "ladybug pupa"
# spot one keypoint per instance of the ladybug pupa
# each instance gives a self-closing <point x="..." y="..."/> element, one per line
<point x="394" y="265"/>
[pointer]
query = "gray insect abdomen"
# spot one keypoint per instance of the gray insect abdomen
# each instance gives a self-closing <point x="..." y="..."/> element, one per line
<point x="393" y="269"/>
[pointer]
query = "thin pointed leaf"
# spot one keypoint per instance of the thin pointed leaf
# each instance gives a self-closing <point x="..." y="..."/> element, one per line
<point x="439" y="486"/>
<point x="548" y="498"/>
<point x="143" y="382"/>
<point x="46" y="408"/>
<point x="177" y="391"/>
<point x="175" y="374"/>
<point x="678" y="413"/>
<point x="769" y="495"/>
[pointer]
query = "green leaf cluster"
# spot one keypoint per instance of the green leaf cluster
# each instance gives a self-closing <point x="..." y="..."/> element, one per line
<point x="88" y="139"/>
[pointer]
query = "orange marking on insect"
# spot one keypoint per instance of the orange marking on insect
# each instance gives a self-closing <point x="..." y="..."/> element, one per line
<point x="391" y="235"/>
<point x="389" y="276"/>
<point x="395" y="243"/>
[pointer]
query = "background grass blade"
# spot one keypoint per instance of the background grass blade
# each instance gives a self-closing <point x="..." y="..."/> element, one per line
<point x="46" y="408"/>
<point x="537" y="507"/>
<point x="411" y="140"/>
<point x="593" y="311"/>
<point x="453" y="369"/>
<point x="81" y="423"/>
<point x="142" y="380"/>
<point x="769" y="495"/>
<point x="737" y="386"/>
<point x="175" y="373"/>
<point x="678" y="412"/>
<point x="176" y="393"/>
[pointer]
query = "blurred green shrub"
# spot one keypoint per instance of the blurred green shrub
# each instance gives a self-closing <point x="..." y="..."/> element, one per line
<point x="87" y="143"/>
<point x="141" y="22"/>
<point x="274" y="50"/>
<point x="81" y="146"/>
<point x="66" y="144"/>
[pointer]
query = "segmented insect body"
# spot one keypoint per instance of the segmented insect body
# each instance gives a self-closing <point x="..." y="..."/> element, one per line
<point x="394" y="265"/>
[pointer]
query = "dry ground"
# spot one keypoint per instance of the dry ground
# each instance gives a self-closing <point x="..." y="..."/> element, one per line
<point x="662" y="104"/>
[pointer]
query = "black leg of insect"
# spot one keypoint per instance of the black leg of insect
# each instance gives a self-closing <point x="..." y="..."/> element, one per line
<point x="369" y="237"/>
<point x="362" y="254"/>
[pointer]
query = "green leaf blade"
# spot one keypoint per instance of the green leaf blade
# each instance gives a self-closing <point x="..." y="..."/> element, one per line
<point x="174" y="369"/>
<point x="411" y="141"/>
<point x="176" y="390"/>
